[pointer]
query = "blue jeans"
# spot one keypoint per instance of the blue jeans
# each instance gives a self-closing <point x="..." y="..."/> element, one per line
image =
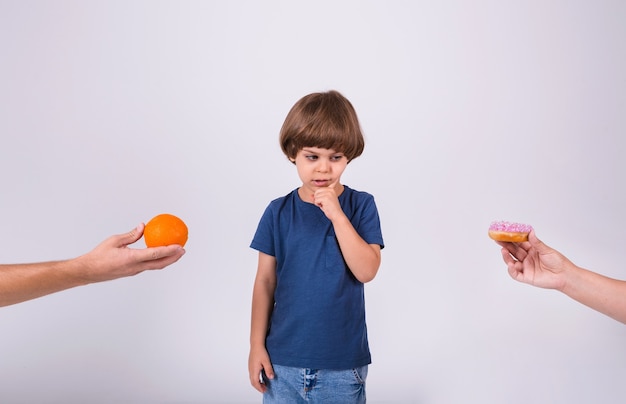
<point x="296" y="385"/>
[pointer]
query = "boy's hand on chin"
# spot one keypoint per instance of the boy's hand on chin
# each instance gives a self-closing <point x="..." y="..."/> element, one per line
<point x="326" y="199"/>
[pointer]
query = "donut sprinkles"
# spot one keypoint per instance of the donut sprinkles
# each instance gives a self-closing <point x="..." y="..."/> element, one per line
<point x="509" y="231"/>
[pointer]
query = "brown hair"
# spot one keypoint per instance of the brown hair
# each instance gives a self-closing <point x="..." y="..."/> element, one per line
<point x="326" y="120"/>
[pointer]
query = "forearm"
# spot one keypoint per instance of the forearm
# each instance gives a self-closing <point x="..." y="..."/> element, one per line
<point x="22" y="282"/>
<point x="362" y="258"/>
<point x="601" y="293"/>
<point x="262" y="305"/>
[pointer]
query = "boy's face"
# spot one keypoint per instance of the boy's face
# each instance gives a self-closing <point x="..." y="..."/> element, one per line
<point x="318" y="168"/>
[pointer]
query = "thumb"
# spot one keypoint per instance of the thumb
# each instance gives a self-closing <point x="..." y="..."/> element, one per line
<point x="536" y="243"/>
<point x="269" y="370"/>
<point x="132" y="236"/>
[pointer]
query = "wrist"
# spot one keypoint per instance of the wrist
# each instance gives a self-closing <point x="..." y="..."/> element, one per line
<point x="78" y="269"/>
<point x="340" y="219"/>
<point x="571" y="277"/>
<point x="256" y="345"/>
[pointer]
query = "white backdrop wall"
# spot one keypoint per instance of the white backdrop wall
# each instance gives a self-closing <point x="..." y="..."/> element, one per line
<point x="114" y="111"/>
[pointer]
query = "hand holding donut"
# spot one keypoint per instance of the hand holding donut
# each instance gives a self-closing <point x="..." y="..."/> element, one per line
<point x="534" y="263"/>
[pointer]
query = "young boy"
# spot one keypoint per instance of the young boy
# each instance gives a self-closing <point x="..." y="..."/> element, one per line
<point x="317" y="246"/>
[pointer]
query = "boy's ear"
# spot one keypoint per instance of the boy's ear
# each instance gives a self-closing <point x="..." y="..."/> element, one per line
<point x="292" y="160"/>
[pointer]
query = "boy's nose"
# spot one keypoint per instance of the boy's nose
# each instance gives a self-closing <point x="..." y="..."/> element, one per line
<point x="322" y="166"/>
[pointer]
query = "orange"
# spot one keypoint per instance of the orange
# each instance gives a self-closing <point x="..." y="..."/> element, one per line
<point x="165" y="229"/>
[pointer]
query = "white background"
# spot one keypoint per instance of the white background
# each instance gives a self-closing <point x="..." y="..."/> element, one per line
<point x="114" y="111"/>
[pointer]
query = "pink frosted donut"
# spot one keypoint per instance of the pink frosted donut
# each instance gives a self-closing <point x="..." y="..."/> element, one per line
<point x="509" y="231"/>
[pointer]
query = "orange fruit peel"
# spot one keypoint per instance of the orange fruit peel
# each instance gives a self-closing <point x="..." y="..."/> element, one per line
<point x="165" y="229"/>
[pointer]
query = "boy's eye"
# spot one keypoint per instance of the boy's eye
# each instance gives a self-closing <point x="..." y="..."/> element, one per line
<point x="313" y="157"/>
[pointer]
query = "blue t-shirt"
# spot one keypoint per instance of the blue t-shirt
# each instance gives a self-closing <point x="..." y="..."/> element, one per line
<point x="318" y="320"/>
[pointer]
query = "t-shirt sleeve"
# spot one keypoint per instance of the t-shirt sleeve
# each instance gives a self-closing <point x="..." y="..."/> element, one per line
<point x="263" y="239"/>
<point x="369" y="223"/>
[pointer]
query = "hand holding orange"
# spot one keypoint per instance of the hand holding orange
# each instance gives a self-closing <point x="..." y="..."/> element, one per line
<point x="165" y="229"/>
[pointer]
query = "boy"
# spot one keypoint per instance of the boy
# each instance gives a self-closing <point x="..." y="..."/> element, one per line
<point x="317" y="246"/>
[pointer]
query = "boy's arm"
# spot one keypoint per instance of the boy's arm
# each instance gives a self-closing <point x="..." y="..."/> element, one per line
<point x="363" y="259"/>
<point x="262" y="306"/>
